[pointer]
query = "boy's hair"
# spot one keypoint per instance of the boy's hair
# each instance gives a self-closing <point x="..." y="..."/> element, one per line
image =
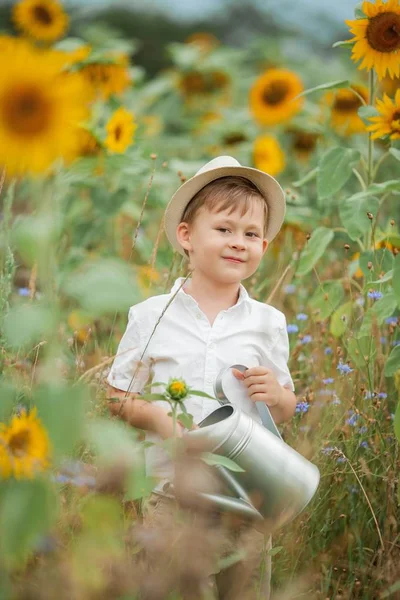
<point x="224" y="193"/>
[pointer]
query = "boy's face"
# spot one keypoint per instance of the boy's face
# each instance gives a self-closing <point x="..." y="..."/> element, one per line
<point x="214" y="236"/>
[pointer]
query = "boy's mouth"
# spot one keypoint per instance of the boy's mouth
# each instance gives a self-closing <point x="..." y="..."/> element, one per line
<point x="233" y="259"/>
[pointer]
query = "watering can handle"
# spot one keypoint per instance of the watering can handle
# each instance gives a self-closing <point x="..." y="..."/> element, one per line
<point x="267" y="419"/>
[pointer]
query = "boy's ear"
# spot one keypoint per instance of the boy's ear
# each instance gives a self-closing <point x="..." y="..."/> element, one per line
<point x="183" y="235"/>
<point x="265" y="245"/>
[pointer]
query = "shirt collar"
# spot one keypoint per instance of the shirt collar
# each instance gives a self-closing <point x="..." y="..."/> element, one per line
<point x="244" y="297"/>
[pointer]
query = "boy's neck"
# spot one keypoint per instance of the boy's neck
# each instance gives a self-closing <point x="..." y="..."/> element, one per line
<point x="210" y="294"/>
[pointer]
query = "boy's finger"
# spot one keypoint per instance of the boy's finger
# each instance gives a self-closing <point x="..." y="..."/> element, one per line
<point x="238" y="374"/>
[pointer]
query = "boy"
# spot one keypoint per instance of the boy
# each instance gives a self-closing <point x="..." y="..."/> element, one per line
<point x="222" y="220"/>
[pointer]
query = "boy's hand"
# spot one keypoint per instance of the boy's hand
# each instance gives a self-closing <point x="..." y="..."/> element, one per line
<point x="262" y="385"/>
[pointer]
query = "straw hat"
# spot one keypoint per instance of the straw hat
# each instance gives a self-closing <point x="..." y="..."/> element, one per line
<point x="223" y="166"/>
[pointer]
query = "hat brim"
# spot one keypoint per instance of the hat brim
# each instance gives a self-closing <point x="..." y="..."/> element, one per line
<point x="268" y="186"/>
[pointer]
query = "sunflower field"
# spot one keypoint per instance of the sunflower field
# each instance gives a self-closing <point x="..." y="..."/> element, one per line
<point x="91" y="151"/>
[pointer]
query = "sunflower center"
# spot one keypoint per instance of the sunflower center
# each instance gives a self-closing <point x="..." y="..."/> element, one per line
<point x="118" y="133"/>
<point x="383" y="32"/>
<point x="26" y="111"/>
<point x="19" y="443"/>
<point x="396" y="120"/>
<point x="347" y="103"/>
<point x="275" y="92"/>
<point x="41" y="14"/>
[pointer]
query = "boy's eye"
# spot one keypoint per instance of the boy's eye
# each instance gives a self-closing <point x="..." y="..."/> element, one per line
<point x="252" y="233"/>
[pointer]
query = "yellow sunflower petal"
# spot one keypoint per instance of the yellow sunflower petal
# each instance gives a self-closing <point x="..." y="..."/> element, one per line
<point x="43" y="20"/>
<point x="273" y="96"/>
<point x="40" y="110"/>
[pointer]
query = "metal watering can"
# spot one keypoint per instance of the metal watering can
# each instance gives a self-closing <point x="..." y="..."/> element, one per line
<point x="277" y="482"/>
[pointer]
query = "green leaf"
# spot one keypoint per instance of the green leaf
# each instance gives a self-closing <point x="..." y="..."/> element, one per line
<point x="216" y="459"/>
<point x="365" y="112"/>
<point x="186" y="419"/>
<point x="29" y="323"/>
<point x="385" y="307"/>
<point x="393" y="362"/>
<point x="394" y="152"/>
<point x="61" y="409"/>
<point x="113" y="441"/>
<point x="200" y="393"/>
<point x="35" y="237"/>
<point x="340" y="319"/>
<point x="103" y="286"/>
<point x="28" y="509"/>
<point x="308" y="177"/>
<point x="396" y="278"/>
<point x="353" y="214"/>
<point x="397" y="422"/>
<point x="339" y="83"/>
<point x="138" y="484"/>
<point x="335" y="168"/>
<point x="314" y="249"/>
<point x="326" y="299"/>
<point x="275" y="550"/>
<point x="376" y="189"/>
<point x="387" y="277"/>
<point x="343" y="43"/>
<point x="362" y="350"/>
<point x="150" y="397"/>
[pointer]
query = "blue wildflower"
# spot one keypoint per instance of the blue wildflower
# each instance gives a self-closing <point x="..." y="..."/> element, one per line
<point x="353" y="420"/>
<point x="24" y="291"/>
<point x="328" y="380"/>
<point x="327" y="450"/>
<point x="302" y="317"/>
<point x="364" y="444"/>
<point x="302" y="407"/>
<point x="353" y="489"/>
<point x="328" y="350"/>
<point x="292" y="328"/>
<point x="341" y="459"/>
<point x="375" y="295"/>
<point x="391" y="320"/>
<point x="383" y="340"/>
<point x="336" y="400"/>
<point x="382" y="395"/>
<point x="290" y="288"/>
<point x="363" y="429"/>
<point x="306" y="339"/>
<point x="305" y="428"/>
<point x="344" y="368"/>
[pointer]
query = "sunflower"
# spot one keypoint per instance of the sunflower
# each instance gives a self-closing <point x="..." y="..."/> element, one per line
<point x="25" y="446"/>
<point x="303" y="142"/>
<point x="40" y="109"/>
<point x="272" y="96"/>
<point x="43" y="20"/>
<point x="108" y="78"/>
<point x="344" y="105"/>
<point x="197" y="82"/>
<point x="382" y="244"/>
<point x="390" y="86"/>
<point x="205" y="41"/>
<point x="120" y="130"/>
<point x="268" y="155"/>
<point x="388" y="123"/>
<point x="377" y="37"/>
<point x="177" y="389"/>
<point x="80" y="322"/>
<point x="88" y="144"/>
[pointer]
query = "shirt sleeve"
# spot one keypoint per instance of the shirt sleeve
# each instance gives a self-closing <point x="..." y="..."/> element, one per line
<point x="277" y="356"/>
<point x="128" y="372"/>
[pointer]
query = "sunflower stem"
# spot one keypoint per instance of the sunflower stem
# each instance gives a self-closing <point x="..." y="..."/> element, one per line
<point x="370" y="167"/>
<point x="370" y="173"/>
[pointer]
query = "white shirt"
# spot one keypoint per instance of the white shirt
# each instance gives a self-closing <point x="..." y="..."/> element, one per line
<point x="185" y="345"/>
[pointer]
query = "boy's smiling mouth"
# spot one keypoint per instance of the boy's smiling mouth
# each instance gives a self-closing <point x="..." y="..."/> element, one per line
<point x="233" y="259"/>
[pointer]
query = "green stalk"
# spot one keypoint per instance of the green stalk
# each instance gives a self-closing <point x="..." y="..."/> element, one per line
<point x="370" y="162"/>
